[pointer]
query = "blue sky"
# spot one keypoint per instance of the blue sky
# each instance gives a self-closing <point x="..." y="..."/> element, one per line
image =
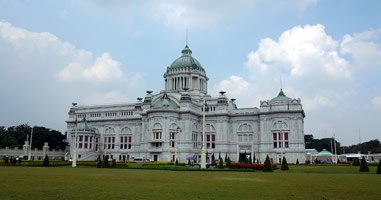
<point x="328" y="53"/>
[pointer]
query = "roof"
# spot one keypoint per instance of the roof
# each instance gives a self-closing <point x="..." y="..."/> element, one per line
<point x="164" y="101"/>
<point x="281" y="97"/>
<point x="84" y="126"/>
<point x="325" y="152"/>
<point x="312" y="151"/>
<point x="186" y="60"/>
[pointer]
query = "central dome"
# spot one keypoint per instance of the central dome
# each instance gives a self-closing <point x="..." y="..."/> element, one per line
<point x="186" y="61"/>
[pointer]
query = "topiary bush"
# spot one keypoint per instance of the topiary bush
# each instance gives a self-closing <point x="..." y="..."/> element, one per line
<point x="177" y="162"/>
<point x="356" y="162"/>
<point x="379" y="168"/>
<point x="284" y="164"/>
<point x="267" y="167"/>
<point x="113" y="165"/>
<point x="221" y="164"/>
<point x="105" y="163"/>
<point x="189" y="163"/>
<point x="297" y="162"/>
<point x="228" y="162"/>
<point x="364" y="166"/>
<point x="46" y="161"/>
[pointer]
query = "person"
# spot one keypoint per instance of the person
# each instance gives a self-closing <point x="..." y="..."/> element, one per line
<point x="192" y="163"/>
<point x="99" y="164"/>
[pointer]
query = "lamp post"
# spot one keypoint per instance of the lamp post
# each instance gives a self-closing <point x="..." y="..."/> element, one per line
<point x="74" y="162"/>
<point x="203" y="150"/>
<point x="30" y="146"/>
<point x="178" y="130"/>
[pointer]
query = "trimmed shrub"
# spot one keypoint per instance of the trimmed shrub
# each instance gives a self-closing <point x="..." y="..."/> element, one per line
<point x="226" y="157"/>
<point x="177" y="162"/>
<point x="46" y="161"/>
<point x="105" y="163"/>
<point x="379" y="168"/>
<point x="356" y="162"/>
<point x="113" y="165"/>
<point x="267" y="166"/>
<point x="364" y="166"/>
<point x="189" y="163"/>
<point x="284" y="164"/>
<point x="228" y="162"/>
<point x="297" y="162"/>
<point x="221" y="165"/>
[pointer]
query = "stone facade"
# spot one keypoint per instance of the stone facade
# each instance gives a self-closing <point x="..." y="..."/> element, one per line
<point x="169" y="122"/>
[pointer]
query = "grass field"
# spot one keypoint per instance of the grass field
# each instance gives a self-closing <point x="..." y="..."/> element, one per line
<point x="300" y="182"/>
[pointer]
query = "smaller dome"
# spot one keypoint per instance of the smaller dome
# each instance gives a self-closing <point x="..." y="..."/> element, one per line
<point x="186" y="61"/>
<point x="164" y="102"/>
<point x="281" y="97"/>
<point x="84" y="126"/>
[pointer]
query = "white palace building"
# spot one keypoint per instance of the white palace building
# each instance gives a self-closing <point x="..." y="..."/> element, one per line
<point x="169" y="123"/>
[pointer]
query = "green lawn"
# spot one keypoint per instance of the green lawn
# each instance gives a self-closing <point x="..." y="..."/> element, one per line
<point x="301" y="182"/>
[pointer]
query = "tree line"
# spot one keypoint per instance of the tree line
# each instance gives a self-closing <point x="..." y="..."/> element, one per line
<point x="15" y="136"/>
<point x="374" y="146"/>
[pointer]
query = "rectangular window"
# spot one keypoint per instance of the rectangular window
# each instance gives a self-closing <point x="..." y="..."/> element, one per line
<point x="250" y="137"/>
<point x="240" y="138"/>
<point x="80" y="138"/>
<point x="274" y="144"/>
<point x="208" y="138"/>
<point x="274" y="136"/>
<point x="85" y="145"/>
<point x="80" y="145"/>
<point x="213" y="138"/>
<point x="285" y="136"/>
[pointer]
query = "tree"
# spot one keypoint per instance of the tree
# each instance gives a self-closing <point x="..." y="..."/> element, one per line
<point x="46" y="161"/>
<point x="364" y="166"/>
<point x="41" y="135"/>
<point x="105" y="163"/>
<point x="189" y="163"/>
<point x="379" y="168"/>
<point x="177" y="162"/>
<point x="228" y="162"/>
<point x="213" y="159"/>
<point x="267" y="167"/>
<point x="219" y="156"/>
<point x="316" y="161"/>
<point x="356" y="162"/>
<point x="284" y="164"/>
<point x="245" y="160"/>
<point x="113" y="165"/>
<point x="226" y="157"/>
<point x="297" y="162"/>
<point x="6" y="140"/>
<point x="240" y="159"/>
<point x="221" y="165"/>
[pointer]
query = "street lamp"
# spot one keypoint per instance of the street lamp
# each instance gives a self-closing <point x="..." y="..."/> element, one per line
<point x="203" y="150"/>
<point x="178" y="130"/>
<point x="74" y="162"/>
<point x="30" y="146"/>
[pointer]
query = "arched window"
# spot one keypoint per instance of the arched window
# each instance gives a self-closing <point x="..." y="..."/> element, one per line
<point x="245" y="133"/>
<point x="172" y="134"/>
<point x="157" y="131"/>
<point x="210" y="134"/>
<point x="126" y="138"/>
<point x="195" y="136"/>
<point x="110" y="130"/>
<point x="280" y="132"/>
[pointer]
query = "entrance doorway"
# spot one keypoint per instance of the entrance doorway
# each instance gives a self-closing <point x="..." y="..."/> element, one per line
<point x="155" y="157"/>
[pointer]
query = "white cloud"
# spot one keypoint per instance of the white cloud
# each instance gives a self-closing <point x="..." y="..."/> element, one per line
<point x="362" y="48"/>
<point x="302" y="52"/>
<point x="21" y="48"/>
<point x="181" y="15"/>
<point x="104" y="69"/>
<point x="376" y="101"/>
